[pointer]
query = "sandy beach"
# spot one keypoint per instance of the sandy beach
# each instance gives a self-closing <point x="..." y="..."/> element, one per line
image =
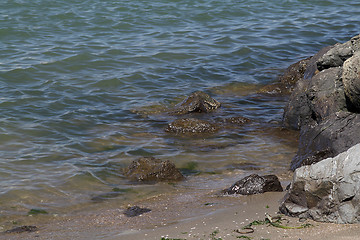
<point x="187" y="214"/>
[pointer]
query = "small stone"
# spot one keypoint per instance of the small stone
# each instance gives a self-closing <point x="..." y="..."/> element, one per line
<point x="135" y="211"/>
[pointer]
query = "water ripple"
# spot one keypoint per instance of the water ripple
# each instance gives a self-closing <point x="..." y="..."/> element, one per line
<point x="73" y="75"/>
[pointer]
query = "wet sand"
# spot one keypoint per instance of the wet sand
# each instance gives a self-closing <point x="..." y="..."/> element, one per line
<point x="190" y="214"/>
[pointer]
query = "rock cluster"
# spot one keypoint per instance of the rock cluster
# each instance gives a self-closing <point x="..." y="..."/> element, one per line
<point x="328" y="191"/>
<point x="325" y="104"/>
<point x="325" y="107"/>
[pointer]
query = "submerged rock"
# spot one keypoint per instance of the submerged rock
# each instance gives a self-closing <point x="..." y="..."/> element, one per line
<point x="328" y="191"/>
<point x="236" y="121"/>
<point x="149" y="169"/>
<point x="22" y="229"/>
<point x="255" y="184"/>
<point x="196" y="102"/>
<point x="135" y="211"/>
<point x="191" y="126"/>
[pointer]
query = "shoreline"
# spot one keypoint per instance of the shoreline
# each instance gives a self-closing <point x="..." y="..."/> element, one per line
<point x="191" y="214"/>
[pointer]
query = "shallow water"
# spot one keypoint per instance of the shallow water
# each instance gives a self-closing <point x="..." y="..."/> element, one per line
<point x="76" y="76"/>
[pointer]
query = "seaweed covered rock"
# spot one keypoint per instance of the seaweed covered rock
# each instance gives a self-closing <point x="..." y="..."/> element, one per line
<point x="254" y="184"/>
<point x="191" y="126"/>
<point x="328" y="191"/>
<point x="149" y="169"/>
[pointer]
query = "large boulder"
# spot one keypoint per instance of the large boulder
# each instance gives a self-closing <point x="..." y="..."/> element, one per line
<point x="328" y="191"/>
<point x="351" y="79"/>
<point x="315" y="99"/>
<point x="254" y="184"/>
<point x="325" y="104"/>
<point x="332" y="136"/>
<point x="149" y="169"/>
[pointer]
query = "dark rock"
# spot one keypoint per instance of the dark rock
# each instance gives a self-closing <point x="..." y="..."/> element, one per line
<point x="255" y="184"/>
<point x="326" y="94"/>
<point x="22" y="229"/>
<point x="191" y="126"/>
<point x="328" y="191"/>
<point x="196" y="102"/>
<point x="351" y="79"/>
<point x="135" y="211"/>
<point x="311" y="68"/>
<point x="335" y="134"/>
<point x="315" y="99"/>
<point x="297" y="112"/>
<point x="149" y="169"/>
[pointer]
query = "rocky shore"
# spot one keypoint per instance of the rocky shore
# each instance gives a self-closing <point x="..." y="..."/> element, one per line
<point x="324" y="106"/>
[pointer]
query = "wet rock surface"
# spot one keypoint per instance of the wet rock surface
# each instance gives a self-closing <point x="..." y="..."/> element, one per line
<point x="328" y="191"/>
<point x="149" y="169"/>
<point x="255" y="184"/>
<point x="135" y="211"/>
<point x="325" y="103"/>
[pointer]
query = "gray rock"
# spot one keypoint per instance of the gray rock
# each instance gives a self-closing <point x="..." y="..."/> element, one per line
<point x="336" y="56"/>
<point x="149" y="169"/>
<point x="314" y="99"/>
<point x="326" y="93"/>
<point x="351" y="80"/>
<point x="335" y="134"/>
<point x="297" y="111"/>
<point x="254" y="184"/>
<point x="328" y="191"/>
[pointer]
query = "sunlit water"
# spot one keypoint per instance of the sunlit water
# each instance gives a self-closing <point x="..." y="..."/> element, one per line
<point x="80" y="83"/>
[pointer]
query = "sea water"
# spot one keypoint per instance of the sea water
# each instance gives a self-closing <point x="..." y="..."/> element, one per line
<point x="82" y="82"/>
